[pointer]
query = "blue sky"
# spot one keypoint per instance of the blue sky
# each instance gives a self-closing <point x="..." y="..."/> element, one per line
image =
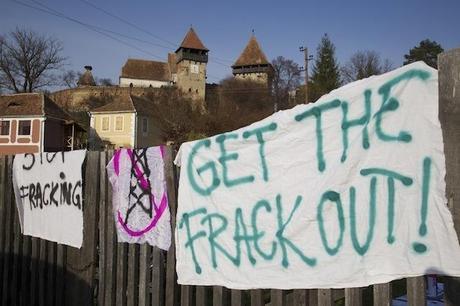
<point x="388" y="27"/>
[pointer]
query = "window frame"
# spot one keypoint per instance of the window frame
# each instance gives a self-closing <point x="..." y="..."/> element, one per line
<point x="145" y="124"/>
<point x="122" y="123"/>
<point x="1" y="127"/>
<point x="19" y="127"/>
<point x="102" y="123"/>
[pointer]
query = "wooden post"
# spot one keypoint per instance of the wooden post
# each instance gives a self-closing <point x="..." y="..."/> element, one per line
<point x="300" y="297"/>
<point x="382" y="294"/>
<point x="353" y="297"/>
<point x="257" y="298"/>
<point x="325" y="297"/>
<point x="172" y="289"/>
<point x="8" y="238"/>
<point x="276" y="297"/>
<point x="449" y="115"/>
<point x="102" y="226"/>
<point x="236" y="297"/>
<point x="416" y="294"/>
<point x="81" y="263"/>
<point x="111" y="247"/>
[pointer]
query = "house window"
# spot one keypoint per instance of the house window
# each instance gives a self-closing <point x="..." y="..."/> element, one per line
<point x="24" y="127"/>
<point x="105" y="123"/>
<point x="5" y="127"/>
<point x="119" y="123"/>
<point x="145" y="125"/>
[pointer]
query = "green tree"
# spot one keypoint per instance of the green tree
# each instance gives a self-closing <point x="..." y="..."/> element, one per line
<point x="325" y="71"/>
<point x="426" y="51"/>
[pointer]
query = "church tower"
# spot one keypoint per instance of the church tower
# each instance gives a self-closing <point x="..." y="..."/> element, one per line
<point x="252" y="64"/>
<point x="191" y="59"/>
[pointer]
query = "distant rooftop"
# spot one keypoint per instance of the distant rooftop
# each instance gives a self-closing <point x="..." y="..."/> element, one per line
<point x="192" y="41"/>
<point x="251" y="55"/>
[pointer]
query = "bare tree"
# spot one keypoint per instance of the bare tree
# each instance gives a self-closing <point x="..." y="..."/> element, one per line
<point x="28" y="60"/>
<point x="286" y="78"/>
<point x="176" y="115"/>
<point x="363" y="64"/>
<point x="70" y="78"/>
<point x="104" y="81"/>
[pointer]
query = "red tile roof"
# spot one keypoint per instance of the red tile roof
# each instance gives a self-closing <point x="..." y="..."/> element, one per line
<point x="31" y="104"/>
<point x="192" y="41"/>
<point x="127" y="103"/>
<point x="251" y="55"/>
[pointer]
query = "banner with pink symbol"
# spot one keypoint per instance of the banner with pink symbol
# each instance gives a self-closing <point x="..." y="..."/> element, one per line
<point x="140" y="201"/>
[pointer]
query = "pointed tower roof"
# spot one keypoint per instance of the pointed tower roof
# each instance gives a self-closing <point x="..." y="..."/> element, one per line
<point x="87" y="78"/>
<point x="192" y="41"/>
<point x="252" y="55"/>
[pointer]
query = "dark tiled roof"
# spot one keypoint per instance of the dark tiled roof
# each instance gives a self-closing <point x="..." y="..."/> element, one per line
<point x="51" y="109"/>
<point x="31" y="104"/>
<point x="146" y="70"/>
<point x="251" y="55"/>
<point x="192" y="41"/>
<point x="142" y="105"/>
<point x="127" y="103"/>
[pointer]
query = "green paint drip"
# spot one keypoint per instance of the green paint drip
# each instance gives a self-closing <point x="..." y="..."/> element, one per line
<point x="283" y="241"/>
<point x="372" y="212"/>
<point x="202" y="190"/>
<point x="260" y="138"/>
<point x="425" y="192"/>
<point x="258" y="235"/>
<point x="363" y="121"/>
<point x="190" y="239"/>
<point x="419" y="247"/>
<point x="333" y="197"/>
<point x="391" y="210"/>
<point x="316" y="112"/>
<point x="225" y="158"/>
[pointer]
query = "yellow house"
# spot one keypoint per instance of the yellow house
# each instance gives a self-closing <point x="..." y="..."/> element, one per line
<point x="127" y="121"/>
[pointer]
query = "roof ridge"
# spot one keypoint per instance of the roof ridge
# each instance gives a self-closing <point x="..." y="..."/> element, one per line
<point x="144" y="60"/>
<point x="22" y="94"/>
<point x="192" y="41"/>
<point x="132" y="102"/>
<point x="252" y="54"/>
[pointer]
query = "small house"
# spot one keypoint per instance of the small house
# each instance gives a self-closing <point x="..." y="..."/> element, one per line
<point x="33" y="123"/>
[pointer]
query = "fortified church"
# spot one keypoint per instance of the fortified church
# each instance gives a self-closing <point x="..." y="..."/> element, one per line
<point x="186" y="67"/>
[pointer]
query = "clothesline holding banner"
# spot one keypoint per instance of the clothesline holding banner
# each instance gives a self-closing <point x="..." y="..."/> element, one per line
<point x="345" y="192"/>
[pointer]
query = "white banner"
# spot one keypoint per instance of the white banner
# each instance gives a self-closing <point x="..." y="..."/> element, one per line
<point x="345" y="192"/>
<point x="48" y="189"/>
<point x="140" y="199"/>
